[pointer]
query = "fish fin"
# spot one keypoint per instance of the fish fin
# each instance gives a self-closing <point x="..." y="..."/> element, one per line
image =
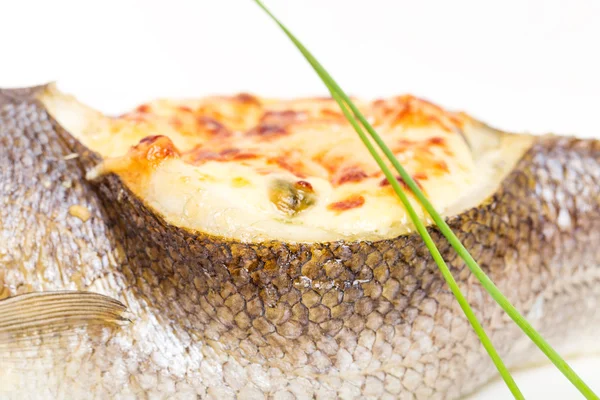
<point x="42" y="316"/>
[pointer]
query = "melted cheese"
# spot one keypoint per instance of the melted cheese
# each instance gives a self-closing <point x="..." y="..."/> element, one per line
<point x="255" y="169"/>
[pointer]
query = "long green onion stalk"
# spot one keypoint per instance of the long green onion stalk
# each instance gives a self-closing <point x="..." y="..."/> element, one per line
<point x="352" y="113"/>
<point x="435" y="253"/>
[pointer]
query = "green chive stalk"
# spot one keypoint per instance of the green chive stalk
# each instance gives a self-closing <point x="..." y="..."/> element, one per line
<point x="344" y="102"/>
<point x="435" y="253"/>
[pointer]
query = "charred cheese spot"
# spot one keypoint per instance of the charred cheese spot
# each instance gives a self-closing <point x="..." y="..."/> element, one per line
<point x="144" y="108"/>
<point x="212" y="126"/>
<point x="351" y="174"/>
<point x="347" y="204"/>
<point x="417" y="177"/>
<point x="296" y="167"/>
<point x="267" y="131"/>
<point x="440" y="166"/>
<point x="283" y="118"/>
<point x="154" y="149"/>
<point x="247" y="99"/>
<point x="185" y="109"/>
<point x="436" y="141"/>
<point x="201" y="155"/>
<point x="176" y="122"/>
<point x="415" y="112"/>
<point x="140" y="161"/>
<point x="420" y="176"/>
<point x="332" y="115"/>
<point x="255" y="169"/>
<point x="305" y="185"/>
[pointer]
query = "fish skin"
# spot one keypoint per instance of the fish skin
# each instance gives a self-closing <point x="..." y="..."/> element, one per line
<point x="212" y="318"/>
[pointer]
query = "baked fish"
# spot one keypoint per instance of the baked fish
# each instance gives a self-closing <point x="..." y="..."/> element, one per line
<point x="245" y="247"/>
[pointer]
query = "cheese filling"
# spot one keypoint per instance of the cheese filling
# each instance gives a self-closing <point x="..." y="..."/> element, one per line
<point x="254" y="169"/>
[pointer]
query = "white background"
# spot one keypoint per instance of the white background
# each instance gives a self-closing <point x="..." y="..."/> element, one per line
<point x="519" y="65"/>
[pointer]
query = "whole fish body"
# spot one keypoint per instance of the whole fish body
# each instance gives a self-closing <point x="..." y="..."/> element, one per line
<point x="184" y="314"/>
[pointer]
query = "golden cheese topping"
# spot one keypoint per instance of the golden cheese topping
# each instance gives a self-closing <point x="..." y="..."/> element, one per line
<point x="256" y="169"/>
